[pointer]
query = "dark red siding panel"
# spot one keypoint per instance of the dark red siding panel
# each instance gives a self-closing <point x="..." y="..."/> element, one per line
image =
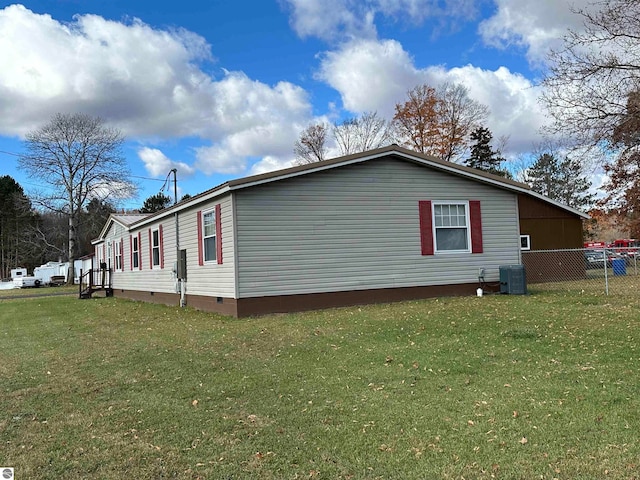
<point x="219" y="234"/>
<point x="426" y="227"/>
<point x="200" y="252"/>
<point x="161" y="240"/>
<point x="476" y="226"/>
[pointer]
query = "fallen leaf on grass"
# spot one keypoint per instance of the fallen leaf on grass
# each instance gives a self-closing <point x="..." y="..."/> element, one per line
<point x="523" y="440"/>
<point x="194" y="403"/>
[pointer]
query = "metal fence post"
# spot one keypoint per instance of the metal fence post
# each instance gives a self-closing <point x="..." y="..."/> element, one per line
<point x="606" y="276"/>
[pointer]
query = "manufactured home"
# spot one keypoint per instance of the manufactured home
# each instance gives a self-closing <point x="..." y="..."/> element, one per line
<point x="378" y="226"/>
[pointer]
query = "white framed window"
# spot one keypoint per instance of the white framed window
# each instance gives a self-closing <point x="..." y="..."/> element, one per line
<point x="108" y="259"/>
<point x="525" y="242"/>
<point x="117" y="250"/>
<point x="451" y="227"/>
<point x="155" y="248"/>
<point x="209" y="247"/>
<point x="135" y="252"/>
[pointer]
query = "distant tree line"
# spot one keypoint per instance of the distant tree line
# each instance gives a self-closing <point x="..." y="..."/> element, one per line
<point x="30" y="237"/>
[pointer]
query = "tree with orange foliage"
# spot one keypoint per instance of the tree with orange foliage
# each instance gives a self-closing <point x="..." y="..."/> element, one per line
<point x="415" y="120"/>
<point x="438" y="121"/>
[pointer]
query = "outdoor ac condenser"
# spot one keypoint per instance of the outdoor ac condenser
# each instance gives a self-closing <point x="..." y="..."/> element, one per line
<point x="513" y="280"/>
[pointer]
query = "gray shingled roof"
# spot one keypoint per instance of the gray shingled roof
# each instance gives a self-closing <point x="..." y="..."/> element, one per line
<point x="391" y="150"/>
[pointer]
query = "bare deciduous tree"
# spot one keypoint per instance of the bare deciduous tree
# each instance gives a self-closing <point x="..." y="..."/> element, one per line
<point x="80" y="158"/>
<point x="592" y="95"/>
<point x="311" y="146"/>
<point x="591" y="77"/>
<point x="459" y="117"/>
<point x="366" y="132"/>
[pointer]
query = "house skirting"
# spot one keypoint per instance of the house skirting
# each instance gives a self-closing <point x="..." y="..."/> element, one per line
<point x="246" y="307"/>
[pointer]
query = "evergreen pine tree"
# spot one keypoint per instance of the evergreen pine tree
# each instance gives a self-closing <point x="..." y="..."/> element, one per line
<point x="155" y="203"/>
<point x="483" y="156"/>
<point x="562" y="181"/>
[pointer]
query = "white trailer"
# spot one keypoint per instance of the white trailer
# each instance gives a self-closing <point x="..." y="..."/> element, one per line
<point x="18" y="272"/>
<point x="51" y="273"/>
<point x="26" y="282"/>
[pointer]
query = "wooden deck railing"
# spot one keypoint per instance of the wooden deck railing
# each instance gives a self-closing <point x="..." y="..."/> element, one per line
<point x="93" y="280"/>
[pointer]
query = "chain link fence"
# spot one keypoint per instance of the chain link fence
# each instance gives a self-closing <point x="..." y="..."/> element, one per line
<point x="606" y="271"/>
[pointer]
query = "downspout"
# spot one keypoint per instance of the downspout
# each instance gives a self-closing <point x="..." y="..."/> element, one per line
<point x="182" y="282"/>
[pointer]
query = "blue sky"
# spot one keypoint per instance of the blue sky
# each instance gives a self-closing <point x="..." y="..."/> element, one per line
<point x="221" y="89"/>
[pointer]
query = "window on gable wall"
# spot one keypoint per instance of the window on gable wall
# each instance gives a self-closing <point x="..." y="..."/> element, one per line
<point x="451" y="225"/>
<point x="155" y="235"/>
<point x="209" y="236"/>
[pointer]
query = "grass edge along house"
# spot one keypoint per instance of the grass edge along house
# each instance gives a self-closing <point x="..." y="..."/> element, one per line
<point x="383" y="225"/>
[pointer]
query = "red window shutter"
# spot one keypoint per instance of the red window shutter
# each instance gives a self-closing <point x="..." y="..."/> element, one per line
<point x="476" y="226"/>
<point x="219" y="234"/>
<point x="139" y="250"/>
<point x="161" y="246"/>
<point x="426" y="227"/>
<point x="122" y="254"/>
<point x="200" y="252"/>
<point x="130" y="252"/>
<point x="150" y="250"/>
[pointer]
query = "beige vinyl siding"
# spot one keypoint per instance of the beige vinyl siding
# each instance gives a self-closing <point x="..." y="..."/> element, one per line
<point x="357" y="227"/>
<point x="210" y="279"/>
<point x="114" y="234"/>
<point x="148" y="279"/>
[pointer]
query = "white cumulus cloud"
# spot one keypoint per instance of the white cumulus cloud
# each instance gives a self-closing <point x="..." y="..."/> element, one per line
<point x="534" y="26"/>
<point x="341" y="20"/>
<point x="380" y="73"/>
<point x="158" y="164"/>
<point x="369" y="74"/>
<point x="148" y="82"/>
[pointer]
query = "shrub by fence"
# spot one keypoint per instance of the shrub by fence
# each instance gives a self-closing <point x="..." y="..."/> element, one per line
<point x="607" y="271"/>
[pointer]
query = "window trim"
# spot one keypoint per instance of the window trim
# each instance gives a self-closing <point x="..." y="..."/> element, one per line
<point x="109" y="255"/>
<point x="528" y="239"/>
<point x="204" y="237"/>
<point x="153" y="247"/>
<point x="467" y="226"/>
<point x="135" y="252"/>
<point x="118" y="260"/>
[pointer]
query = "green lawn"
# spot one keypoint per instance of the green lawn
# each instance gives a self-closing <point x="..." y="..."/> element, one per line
<point x="41" y="291"/>
<point x="543" y="386"/>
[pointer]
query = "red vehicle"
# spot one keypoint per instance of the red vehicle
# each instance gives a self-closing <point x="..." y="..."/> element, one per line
<point x="626" y="246"/>
<point x="595" y="245"/>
